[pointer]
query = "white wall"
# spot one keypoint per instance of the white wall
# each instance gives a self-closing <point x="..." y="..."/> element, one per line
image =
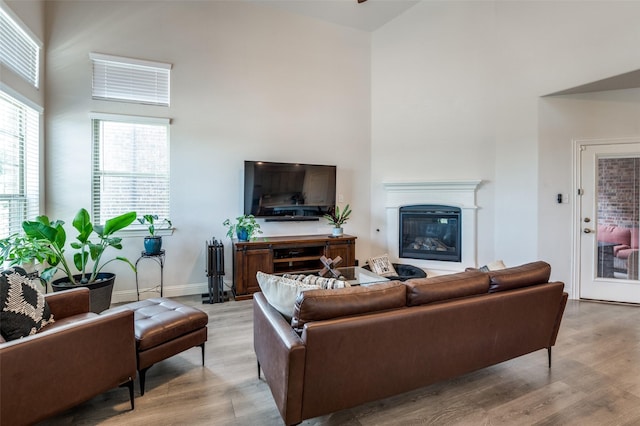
<point x="456" y="85"/>
<point x="563" y="119"/>
<point x="248" y="82"/>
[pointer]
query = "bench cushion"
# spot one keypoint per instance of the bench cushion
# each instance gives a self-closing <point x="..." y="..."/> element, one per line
<point x="160" y="320"/>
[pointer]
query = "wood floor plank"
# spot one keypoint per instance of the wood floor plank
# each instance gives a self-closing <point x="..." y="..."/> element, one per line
<point x="594" y="380"/>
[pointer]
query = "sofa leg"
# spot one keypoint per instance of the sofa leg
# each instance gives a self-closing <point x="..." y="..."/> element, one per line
<point x="129" y="385"/>
<point x="549" y="355"/>
<point x="202" y="346"/>
<point x="142" y="374"/>
<point x="258" y="370"/>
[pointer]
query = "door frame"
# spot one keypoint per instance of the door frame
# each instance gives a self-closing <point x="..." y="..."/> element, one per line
<point x="576" y="217"/>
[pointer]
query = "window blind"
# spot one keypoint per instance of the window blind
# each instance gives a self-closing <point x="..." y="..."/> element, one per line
<point x="19" y="50"/>
<point x="130" y="166"/>
<point x="130" y="80"/>
<point x="19" y="164"/>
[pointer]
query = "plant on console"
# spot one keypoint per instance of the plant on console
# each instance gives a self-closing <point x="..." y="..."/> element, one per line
<point x="244" y="228"/>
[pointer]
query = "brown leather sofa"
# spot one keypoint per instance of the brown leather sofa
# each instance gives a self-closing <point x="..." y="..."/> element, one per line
<point x="349" y="346"/>
<point x="79" y="356"/>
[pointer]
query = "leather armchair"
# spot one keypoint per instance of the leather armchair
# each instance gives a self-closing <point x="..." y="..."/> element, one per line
<point x="79" y="356"/>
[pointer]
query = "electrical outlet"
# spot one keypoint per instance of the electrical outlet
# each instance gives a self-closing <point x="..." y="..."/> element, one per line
<point x="340" y="198"/>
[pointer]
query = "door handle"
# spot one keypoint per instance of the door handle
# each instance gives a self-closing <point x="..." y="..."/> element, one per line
<point x="587" y="230"/>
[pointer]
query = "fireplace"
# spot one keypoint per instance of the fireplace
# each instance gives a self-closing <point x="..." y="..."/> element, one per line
<point x="430" y="232"/>
<point x="456" y="194"/>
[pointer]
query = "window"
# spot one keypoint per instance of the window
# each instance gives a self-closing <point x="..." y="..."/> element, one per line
<point x="130" y="166"/>
<point x="130" y="80"/>
<point x="19" y="164"/>
<point x="19" y="49"/>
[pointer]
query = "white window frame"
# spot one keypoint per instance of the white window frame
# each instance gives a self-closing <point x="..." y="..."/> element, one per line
<point x="98" y="172"/>
<point x="20" y="49"/>
<point x="116" y="78"/>
<point x="27" y="196"/>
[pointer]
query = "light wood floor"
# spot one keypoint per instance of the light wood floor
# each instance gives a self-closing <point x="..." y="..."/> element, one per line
<point x="594" y="380"/>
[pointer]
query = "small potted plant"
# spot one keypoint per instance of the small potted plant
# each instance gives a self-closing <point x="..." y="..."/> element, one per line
<point x="25" y="251"/>
<point x="338" y="218"/>
<point x="153" y="242"/>
<point x="91" y="276"/>
<point x="245" y="227"/>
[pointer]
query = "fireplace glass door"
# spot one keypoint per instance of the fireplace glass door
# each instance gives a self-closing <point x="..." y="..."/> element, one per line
<point x="430" y="232"/>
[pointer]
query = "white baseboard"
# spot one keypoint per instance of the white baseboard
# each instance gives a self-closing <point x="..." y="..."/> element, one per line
<point x="168" y="291"/>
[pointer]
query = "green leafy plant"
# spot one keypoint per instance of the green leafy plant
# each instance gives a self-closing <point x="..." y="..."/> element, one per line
<point x="338" y="218"/>
<point x="23" y="250"/>
<point x="150" y="219"/>
<point x="53" y="233"/>
<point x="244" y="222"/>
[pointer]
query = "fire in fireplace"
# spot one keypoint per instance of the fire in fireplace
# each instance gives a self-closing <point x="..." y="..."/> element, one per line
<point x="430" y="232"/>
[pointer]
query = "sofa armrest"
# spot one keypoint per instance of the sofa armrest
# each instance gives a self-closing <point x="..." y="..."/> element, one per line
<point x="54" y="370"/>
<point x="281" y="355"/>
<point x="67" y="303"/>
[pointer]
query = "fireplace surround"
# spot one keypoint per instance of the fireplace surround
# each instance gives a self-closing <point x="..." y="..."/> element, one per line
<point x="458" y="194"/>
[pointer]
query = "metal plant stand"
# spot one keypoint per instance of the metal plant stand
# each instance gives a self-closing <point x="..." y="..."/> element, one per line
<point x="159" y="258"/>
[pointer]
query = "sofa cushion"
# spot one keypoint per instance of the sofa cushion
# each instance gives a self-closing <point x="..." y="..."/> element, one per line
<point x="520" y="276"/>
<point x="318" y="305"/>
<point x="421" y="291"/>
<point x="281" y="293"/>
<point x="614" y="234"/>
<point x="23" y="309"/>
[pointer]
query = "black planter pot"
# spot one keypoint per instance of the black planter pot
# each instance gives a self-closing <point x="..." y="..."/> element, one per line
<point x="152" y="245"/>
<point x="99" y="291"/>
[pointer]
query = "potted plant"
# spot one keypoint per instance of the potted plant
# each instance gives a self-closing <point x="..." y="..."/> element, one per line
<point x="244" y="228"/>
<point x="91" y="276"/>
<point x="153" y="242"/>
<point x="25" y="251"/>
<point x="338" y="218"/>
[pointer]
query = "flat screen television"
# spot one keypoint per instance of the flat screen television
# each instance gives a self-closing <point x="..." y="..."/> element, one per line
<point x="288" y="191"/>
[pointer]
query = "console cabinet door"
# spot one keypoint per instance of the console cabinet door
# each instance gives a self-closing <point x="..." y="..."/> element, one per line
<point x="345" y="249"/>
<point x="246" y="264"/>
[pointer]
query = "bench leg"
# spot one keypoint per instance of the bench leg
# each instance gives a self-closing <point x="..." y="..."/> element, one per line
<point x="142" y="373"/>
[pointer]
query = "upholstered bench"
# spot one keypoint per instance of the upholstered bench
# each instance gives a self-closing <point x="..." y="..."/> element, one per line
<point x="164" y="328"/>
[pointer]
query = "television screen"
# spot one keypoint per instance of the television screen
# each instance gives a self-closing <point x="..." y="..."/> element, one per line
<point x="288" y="191"/>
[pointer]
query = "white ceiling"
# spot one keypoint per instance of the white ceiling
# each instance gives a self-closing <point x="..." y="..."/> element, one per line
<point x="367" y="16"/>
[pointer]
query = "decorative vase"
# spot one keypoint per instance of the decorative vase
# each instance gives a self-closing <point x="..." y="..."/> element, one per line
<point x="99" y="291"/>
<point x="243" y="234"/>
<point x="337" y="232"/>
<point x="152" y="245"/>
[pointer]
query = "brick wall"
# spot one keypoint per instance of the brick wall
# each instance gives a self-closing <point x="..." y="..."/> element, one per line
<point x="618" y="191"/>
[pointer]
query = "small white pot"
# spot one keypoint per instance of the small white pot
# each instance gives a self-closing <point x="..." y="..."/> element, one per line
<point x="337" y="232"/>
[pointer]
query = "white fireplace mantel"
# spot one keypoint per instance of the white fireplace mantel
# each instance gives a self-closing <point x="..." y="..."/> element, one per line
<point x="458" y="193"/>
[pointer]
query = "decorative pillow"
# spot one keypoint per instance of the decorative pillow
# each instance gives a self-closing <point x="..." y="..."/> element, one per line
<point x="381" y="265"/>
<point x="496" y="265"/>
<point x="281" y="293"/>
<point x="322" y="282"/>
<point x="23" y="309"/>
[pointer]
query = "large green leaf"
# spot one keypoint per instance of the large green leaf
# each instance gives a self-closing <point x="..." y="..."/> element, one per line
<point x="82" y="223"/>
<point x="40" y="231"/>
<point x="117" y="223"/>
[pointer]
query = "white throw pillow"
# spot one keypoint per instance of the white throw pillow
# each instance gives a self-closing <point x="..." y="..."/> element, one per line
<point x="496" y="265"/>
<point x="281" y="293"/>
